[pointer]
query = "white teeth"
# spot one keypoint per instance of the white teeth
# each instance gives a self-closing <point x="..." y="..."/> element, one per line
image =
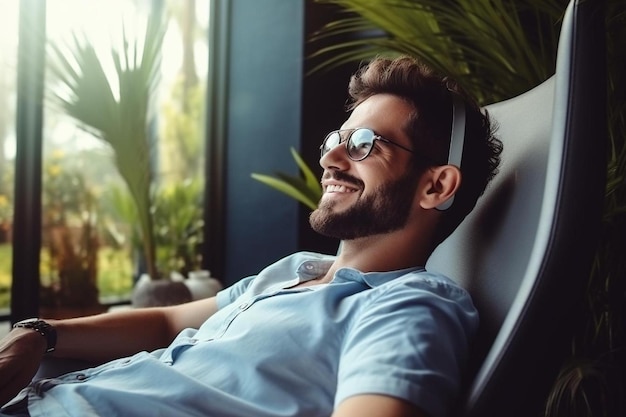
<point x="339" y="189"/>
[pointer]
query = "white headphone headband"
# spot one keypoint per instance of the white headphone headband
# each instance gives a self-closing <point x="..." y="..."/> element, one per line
<point x="457" y="139"/>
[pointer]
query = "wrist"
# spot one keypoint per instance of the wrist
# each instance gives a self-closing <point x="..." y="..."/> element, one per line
<point x="43" y="328"/>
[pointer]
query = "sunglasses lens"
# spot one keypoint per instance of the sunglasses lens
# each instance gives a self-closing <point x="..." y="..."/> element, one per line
<point x="360" y="144"/>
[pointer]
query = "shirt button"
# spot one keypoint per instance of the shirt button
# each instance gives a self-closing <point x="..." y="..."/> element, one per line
<point x="243" y="306"/>
<point x="81" y="377"/>
<point x="308" y="267"/>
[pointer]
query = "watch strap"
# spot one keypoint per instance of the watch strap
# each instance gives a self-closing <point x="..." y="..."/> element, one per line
<point x="43" y="328"/>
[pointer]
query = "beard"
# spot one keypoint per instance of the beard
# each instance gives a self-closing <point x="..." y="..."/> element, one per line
<point x="386" y="210"/>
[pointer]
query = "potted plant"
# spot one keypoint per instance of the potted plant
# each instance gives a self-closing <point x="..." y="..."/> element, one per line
<point x="177" y="219"/>
<point x="118" y="109"/>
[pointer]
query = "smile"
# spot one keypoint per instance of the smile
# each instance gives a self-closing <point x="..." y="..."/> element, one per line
<point x="334" y="188"/>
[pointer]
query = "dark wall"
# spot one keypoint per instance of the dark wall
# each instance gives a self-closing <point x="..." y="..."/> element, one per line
<point x="324" y="97"/>
<point x="269" y="105"/>
<point x="263" y="122"/>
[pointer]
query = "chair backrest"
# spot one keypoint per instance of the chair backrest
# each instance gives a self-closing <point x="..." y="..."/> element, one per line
<point x="525" y="251"/>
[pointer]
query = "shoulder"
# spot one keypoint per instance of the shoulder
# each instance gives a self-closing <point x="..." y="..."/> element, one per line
<point x="411" y="341"/>
<point x="418" y="306"/>
<point x="421" y="286"/>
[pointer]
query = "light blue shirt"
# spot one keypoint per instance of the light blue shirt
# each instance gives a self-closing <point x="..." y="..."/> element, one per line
<point x="272" y="350"/>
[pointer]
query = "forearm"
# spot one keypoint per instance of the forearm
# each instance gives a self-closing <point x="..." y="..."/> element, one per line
<point x="373" y="405"/>
<point x="112" y="335"/>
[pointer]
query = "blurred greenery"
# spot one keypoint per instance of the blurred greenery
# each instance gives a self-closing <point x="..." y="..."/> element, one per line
<point x="113" y="93"/>
<point x="6" y="256"/>
<point x="182" y="123"/>
<point x="114" y="275"/>
<point x="119" y="115"/>
<point x="178" y="226"/>
<point x="70" y="235"/>
<point x="178" y="221"/>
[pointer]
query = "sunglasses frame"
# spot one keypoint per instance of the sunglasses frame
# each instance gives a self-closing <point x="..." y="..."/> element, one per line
<point x="375" y="137"/>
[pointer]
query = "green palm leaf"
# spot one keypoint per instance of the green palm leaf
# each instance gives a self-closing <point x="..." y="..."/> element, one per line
<point x="118" y="117"/>
<point x="474" y="41"/>
<point x="306" y="189"/>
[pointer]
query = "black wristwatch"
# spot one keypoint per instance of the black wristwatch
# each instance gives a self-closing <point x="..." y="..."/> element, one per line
<point x="43" y="328"/>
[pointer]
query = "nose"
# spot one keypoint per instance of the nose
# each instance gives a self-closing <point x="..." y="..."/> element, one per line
<point x="336" y="158"/>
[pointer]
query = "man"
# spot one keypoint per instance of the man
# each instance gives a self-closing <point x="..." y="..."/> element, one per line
<point x="369" y="332"/>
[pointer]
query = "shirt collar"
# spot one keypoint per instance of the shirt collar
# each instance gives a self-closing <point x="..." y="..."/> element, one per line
<point x="374" y="279"/>
<point x="315" y="266"/>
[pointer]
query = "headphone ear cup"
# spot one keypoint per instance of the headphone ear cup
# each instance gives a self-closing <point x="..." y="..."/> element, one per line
<point x="446" y="204"/>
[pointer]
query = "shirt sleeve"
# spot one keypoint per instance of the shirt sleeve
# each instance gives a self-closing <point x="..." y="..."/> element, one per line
<point x="410" y="342"/>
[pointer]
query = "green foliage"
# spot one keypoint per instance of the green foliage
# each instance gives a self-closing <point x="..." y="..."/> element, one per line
<point x="474" y="41"/>
<point x="6" y="256"/>
<point x="70" y="236"/>
<point x="305" y="189"/>
<point x="116" y="111"/>
<point x="6" y="205"/>
<point x="178" y="221"/>
<point x="182" y="127"/>
<point x="65" y="191"/>
<point x="119" y="203"/>
<point x="113" y="274"/>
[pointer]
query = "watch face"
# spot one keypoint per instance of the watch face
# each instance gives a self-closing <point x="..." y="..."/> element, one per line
<point x="28" y="321"/>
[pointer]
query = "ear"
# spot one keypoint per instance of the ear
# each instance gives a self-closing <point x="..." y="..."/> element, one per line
<point x="440" y="184"/>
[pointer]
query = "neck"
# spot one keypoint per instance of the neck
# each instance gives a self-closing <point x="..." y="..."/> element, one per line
<point x="381" y="253"/>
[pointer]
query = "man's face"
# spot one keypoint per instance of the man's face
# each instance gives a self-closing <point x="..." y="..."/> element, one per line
<point x="375" y="195"/>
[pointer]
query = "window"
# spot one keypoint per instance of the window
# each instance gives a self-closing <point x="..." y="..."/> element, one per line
<point x="8" y="70"/>
<point x="91" y="248"/>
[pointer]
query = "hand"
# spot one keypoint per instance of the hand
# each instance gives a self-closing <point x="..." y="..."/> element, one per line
<point x="21" y="352"/>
